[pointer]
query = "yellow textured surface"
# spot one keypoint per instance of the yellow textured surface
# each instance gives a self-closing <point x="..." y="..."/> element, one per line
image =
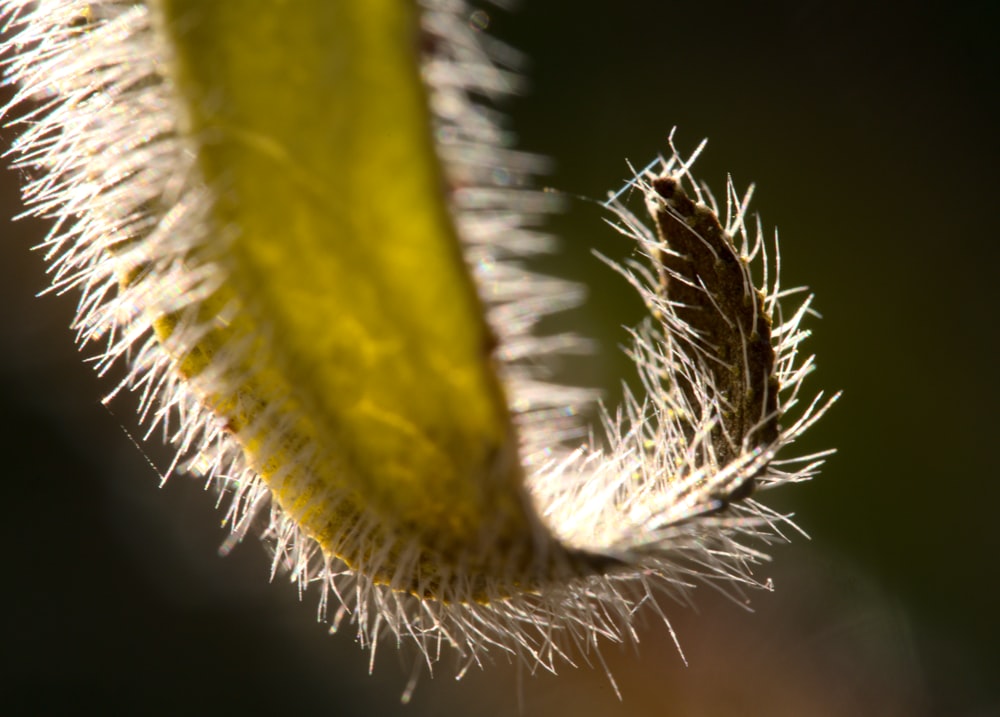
<point x="368" y="342"/>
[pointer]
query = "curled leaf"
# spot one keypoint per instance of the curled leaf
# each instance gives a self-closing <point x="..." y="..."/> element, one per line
<point x="301" y="230"/>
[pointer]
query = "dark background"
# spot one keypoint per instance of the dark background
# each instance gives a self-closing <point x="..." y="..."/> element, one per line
<point x="872" y="136"/>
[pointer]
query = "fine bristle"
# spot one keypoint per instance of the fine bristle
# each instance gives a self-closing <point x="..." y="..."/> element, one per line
<point x="664" y="498"/>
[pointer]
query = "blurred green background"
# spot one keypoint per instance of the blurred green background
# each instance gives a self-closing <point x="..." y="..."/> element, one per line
<point x="871" y="133"/>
